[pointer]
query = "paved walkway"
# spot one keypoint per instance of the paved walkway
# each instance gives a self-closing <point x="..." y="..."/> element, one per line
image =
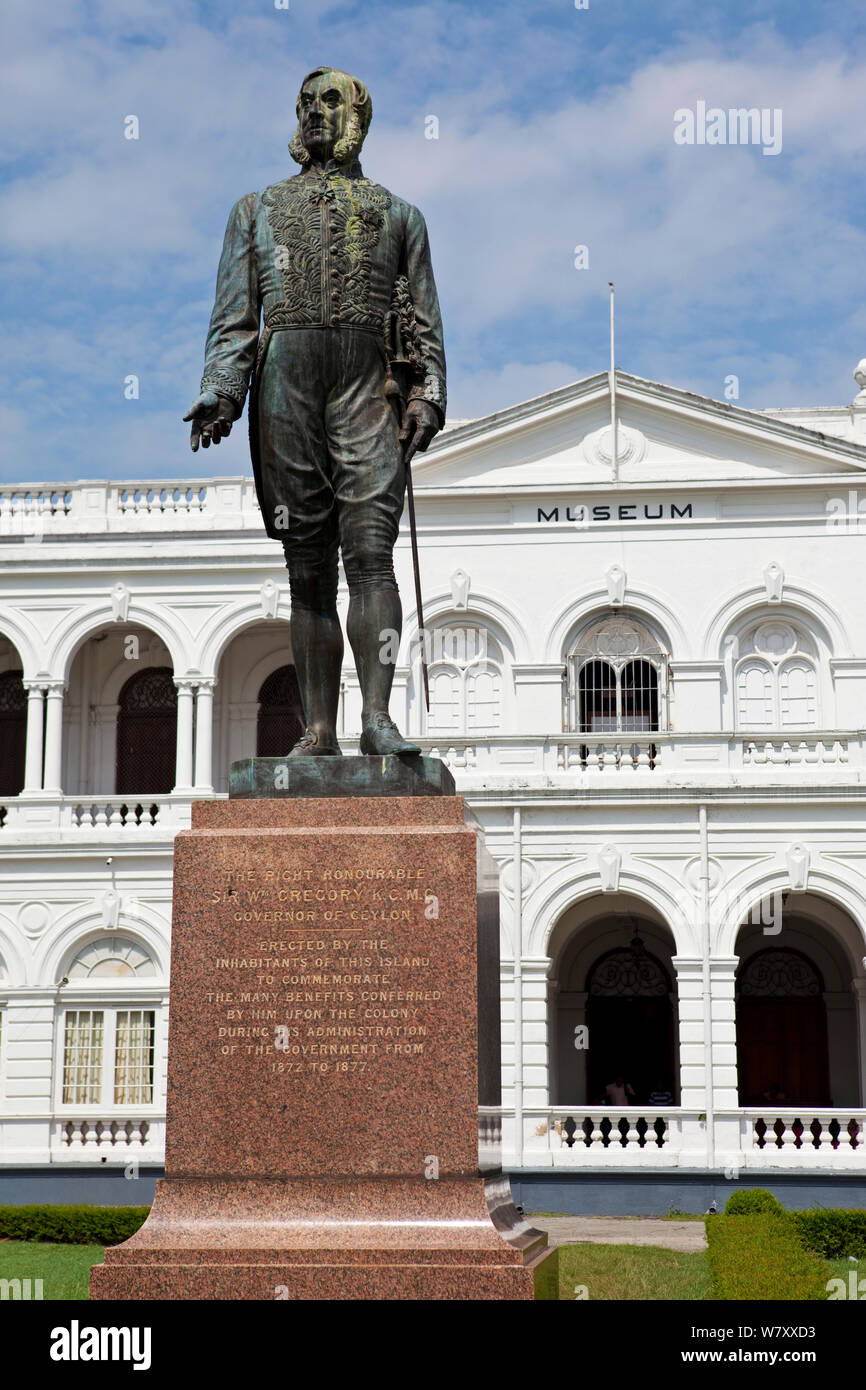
<point x="622" y="1230"/>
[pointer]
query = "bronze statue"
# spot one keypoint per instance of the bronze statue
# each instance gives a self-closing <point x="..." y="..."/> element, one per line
<point x="341" y="269"/>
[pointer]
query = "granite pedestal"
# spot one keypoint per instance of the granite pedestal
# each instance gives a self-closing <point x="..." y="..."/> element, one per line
<point x="328" y="1045"/>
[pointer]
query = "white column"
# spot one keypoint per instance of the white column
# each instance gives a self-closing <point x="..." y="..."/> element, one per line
<point x="53" y="736"/>
<point x="693" y="1053"/>
<point x="728" y="1128"/>
<point x="183" y="772"/>
<point x="204" y="736"/>
<point x="33" y="757"/>
<point x="858" y="986"/>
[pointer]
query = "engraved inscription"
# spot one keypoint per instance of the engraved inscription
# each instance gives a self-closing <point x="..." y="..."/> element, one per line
<point x="327" y="987"/>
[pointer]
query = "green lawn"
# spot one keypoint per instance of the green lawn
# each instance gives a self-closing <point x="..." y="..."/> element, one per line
<point x="618" y="1272"/>
<point x="63" y="1269"/>
<point x="612" y="1273"/>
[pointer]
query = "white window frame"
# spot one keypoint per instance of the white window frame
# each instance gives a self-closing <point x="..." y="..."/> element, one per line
<point x="110" y="1002"/>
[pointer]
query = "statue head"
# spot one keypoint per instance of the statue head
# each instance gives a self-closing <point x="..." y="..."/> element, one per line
<point x="334" y="112"/>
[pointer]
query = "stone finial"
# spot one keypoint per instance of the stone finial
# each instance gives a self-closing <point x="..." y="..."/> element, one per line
<point x="860" y="378"/>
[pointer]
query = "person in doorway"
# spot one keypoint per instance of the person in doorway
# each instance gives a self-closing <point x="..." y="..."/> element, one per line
<point x="660" y="1094"/>
<point x="619" y="1092"/>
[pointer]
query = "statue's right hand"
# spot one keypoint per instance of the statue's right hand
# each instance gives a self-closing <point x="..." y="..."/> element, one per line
<point x="212" y="418"/>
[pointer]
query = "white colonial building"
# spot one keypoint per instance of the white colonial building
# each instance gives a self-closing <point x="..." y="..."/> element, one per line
<point x="648" y="674"/>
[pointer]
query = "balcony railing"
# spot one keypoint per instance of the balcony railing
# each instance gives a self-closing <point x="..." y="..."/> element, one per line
<point x="83" y="817"/>
<point x="605" y="1136"/>
<point x="641" y="756"/>
<point x="799" y="1137"/>
<point x="44" y="510"/>
<point x="670" y="1137"/>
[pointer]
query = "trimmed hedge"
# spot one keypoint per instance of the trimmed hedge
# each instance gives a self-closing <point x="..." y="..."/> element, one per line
<point x="751" y="1202"/>
<point x="832" y="1234"/>
<point x="761" y="1257"/>
<point x="71" y="1225"/>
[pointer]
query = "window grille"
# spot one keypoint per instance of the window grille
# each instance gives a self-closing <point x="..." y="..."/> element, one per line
<point x="616" y="681"/>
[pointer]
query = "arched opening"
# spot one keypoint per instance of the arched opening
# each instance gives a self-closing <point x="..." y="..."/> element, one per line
<point x="629" y="1014"/>
<point x="257" y="706"/>
<point x="280" y="720"/>
<point x="798" y="1028"/>
<point x="612" y="1005"/>
<point x="147" y="733"/>
<point x="97" y="758"/>
<point x="782" y="1031"/>
<point x="13" y="732"/>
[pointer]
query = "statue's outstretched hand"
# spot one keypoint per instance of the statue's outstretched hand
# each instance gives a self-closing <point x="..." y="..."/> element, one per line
<point x="420" y="424"/>
<point x="212" y="419"/>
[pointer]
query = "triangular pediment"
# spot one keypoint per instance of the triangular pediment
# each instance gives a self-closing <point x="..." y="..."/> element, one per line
<point x="664" y="436"/>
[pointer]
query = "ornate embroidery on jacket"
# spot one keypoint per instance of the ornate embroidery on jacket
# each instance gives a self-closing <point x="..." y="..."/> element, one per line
<point x="296" y="222"/>
<point x="296" y="210"/>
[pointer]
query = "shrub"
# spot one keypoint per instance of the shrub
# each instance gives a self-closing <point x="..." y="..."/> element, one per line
<point x="71" y="1225"/>
<point x="752" y="1201"/>
<point x="831" y="1234"/>
<point x="761" y="1257"/>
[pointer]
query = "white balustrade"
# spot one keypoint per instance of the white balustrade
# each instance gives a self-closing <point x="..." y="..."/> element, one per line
<point x="175" y="505"/>
<point x="113" y="1137"/>
<point x="804" y="1137"/>
<point x="604" y="1136"/>
<point x="787" y="752"/>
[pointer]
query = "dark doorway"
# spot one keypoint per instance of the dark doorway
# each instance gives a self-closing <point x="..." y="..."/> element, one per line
<point x="147" y="733"/>
<point x="782" y="1032"/>
<point x="631" y="1028"/>
<point x="13" y="732"/>
<point x="281" y="717"/>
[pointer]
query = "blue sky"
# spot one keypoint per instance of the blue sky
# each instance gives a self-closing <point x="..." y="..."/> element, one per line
<point x="555" y="129"/>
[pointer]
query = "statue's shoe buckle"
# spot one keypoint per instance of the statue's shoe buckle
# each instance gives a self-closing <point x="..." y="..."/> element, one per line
<point x="381" y="736"/>
<point x="308" y="746"/>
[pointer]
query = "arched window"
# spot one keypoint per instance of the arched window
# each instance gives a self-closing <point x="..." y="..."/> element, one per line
<point x="13" y="732"/>
<point x="112" y="957"/>
<point x="281" y="716"/>
<point x="776" y="678"/>
<point x="616" y="679"/>
<point x="108" y="1051"/>
<point x="147" y="733"/>
<point x="466" y="670"/>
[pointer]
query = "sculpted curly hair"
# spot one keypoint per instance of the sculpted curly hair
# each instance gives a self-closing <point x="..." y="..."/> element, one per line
<point x="357" y="124"/>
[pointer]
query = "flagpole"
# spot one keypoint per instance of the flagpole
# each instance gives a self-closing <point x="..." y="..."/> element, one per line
<point x="614" y="461"/>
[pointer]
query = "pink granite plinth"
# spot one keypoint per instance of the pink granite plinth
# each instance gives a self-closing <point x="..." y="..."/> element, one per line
<point x="322" y="1107"/>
